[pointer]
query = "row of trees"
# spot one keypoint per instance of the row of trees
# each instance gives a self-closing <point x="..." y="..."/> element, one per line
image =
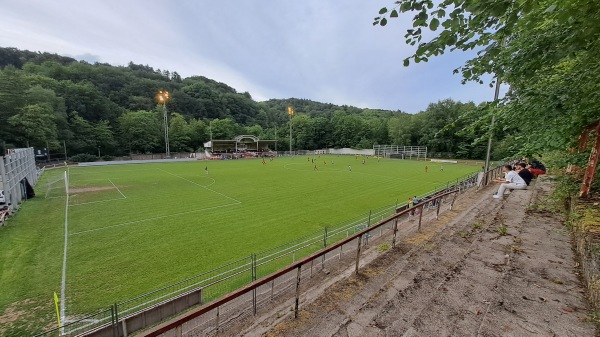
<point x="546" y="51"/>
<point x="46" y="99"/>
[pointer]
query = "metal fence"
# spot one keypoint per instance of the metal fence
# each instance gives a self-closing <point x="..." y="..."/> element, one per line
<point x="17" y="168"/>
<point x="146" y="310"/>
<point x="285" y="283"/>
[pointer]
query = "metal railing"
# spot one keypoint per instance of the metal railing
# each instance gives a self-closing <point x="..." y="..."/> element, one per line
<point x="148" y="309"/>
<point x="243" y="302"/>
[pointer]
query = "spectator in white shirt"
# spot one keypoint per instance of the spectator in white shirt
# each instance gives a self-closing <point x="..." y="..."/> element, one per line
<point x="511" y="181"/>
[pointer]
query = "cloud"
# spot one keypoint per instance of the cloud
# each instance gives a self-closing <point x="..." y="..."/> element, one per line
<point x="321" y="50"/>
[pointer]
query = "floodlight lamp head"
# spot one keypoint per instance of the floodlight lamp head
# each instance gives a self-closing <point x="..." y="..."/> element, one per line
<point x="162" y="96"/>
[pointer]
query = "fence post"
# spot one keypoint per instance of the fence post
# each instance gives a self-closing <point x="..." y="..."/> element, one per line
<point x="217" y="319"/>
<point x="395" y="231"/>
<point x="112" y="320"/>
<point x="200" y="295"/>
<point x="324" y="245"/>
<point x="272" y="288"/>
<point x="420" y="217"/>
<point x="358" y="253"/>
<point x="297" y="303"/>
<point x="453" y="200"/>
<point x="369" y="222"/>
<point x="254" y="279"/>
<point x="438" y="206"/>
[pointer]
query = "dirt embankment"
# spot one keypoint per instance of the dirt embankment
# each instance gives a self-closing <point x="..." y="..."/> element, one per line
<point x="586" y="234"/>
<point x="499" y="268"/>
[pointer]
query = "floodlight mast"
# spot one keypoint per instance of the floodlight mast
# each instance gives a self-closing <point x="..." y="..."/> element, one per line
<point x="291" y="113"/>
<point x="163" y="97"/>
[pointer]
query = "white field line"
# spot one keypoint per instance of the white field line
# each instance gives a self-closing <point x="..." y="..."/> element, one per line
<point x="95" y="202"/>
<point x="209" y="189"/>
<point x="154" y="218"/>
<point x="124" y="197"/>
<point x="99" y="201"/>
<point x="77" y="171"/>
<point x="63" y="283"/>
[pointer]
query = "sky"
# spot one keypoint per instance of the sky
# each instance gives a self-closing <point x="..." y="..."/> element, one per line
<point x="323" y="50"/>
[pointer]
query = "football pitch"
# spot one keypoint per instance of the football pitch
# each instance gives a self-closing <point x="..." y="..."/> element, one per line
<point x="134" y="228"/>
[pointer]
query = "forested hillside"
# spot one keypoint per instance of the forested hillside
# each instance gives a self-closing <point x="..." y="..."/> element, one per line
<point x="46" y="99"/>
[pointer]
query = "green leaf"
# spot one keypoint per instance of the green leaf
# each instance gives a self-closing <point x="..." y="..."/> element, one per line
<point x="550" y="9"/>
<point x="434" y="24"/>
<point x="383" y="10"/>
<point x="406" y="62"/>
<point x="383" y="22"/>
<point x="394" y="14"/>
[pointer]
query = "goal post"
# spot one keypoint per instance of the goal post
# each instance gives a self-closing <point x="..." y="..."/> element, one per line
<point x="66" y="184"/>
<point x="401" y="152"/>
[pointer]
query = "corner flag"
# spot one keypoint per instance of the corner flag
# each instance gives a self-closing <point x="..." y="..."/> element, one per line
<point x="57" y="312"/>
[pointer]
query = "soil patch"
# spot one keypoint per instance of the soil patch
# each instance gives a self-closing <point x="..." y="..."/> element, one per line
<point x="90" y="189"/>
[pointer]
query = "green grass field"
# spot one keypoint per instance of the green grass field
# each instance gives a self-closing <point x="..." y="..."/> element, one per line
<point x="137" y="227"/>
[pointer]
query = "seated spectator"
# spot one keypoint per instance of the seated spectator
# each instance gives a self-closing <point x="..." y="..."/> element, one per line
<point x="535" y="171"/>
<point x="536" y="167"/>
<point x="522" y="170"/>
<point x="511" y="181"/>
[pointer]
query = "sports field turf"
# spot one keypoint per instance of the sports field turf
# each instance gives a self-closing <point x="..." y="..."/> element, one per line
<point x="137" y="227"/>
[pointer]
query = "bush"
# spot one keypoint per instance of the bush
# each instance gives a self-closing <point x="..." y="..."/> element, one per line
<point x="83" y="158"/>
<point x="107" y="158"/>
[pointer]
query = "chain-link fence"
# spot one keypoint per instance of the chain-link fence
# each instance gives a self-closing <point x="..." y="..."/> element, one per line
<point x="143" y="311"/>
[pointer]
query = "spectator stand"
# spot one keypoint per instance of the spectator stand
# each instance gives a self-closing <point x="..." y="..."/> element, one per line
<point x="241" y="147"/>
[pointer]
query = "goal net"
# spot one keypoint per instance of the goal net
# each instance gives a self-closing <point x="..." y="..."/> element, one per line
<point x="58" y="188"/>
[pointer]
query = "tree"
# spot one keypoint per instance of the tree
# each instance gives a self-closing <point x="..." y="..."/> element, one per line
<point x="140" y="131"/>
<point x="545" y="50"/>
<point x="255" y="130"/>
<point x="198" y="133"/>
<point x="104" y="137"/>
<point x="83" y="140"/>
<point x="34" y="126"/>
<point x="12" y="86"/>
<point x="225" y="128"/>
<point x="179" y="133"/>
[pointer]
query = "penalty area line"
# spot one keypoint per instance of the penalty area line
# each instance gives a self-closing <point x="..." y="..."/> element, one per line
<point x="153" y="218"/>
<point x="204" y="187"/>
<point x="124" y="197"/>
<point x="95" y="202"/>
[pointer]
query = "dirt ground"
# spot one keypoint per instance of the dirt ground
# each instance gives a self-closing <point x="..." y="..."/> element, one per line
<point x="489" y="268"/>
<point x="90" y="189"/>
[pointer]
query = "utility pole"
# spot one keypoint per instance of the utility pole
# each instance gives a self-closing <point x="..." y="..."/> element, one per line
<point x="489" y="146"/>
<point x="291" y="113"/>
